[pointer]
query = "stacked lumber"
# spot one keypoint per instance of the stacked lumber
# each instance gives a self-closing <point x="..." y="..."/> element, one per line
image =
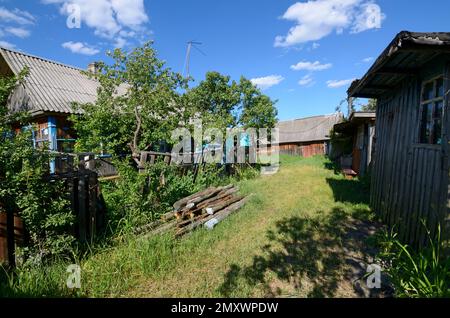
<point x="205" y="208"/>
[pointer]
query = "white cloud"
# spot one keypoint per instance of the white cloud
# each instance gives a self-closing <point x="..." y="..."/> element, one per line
<point x="315" y="45"/>
<point x="19" y="32"/>
<point x="120" y="42"/>
<point x="109" y="18"/>
<point x="311" y="66"/>
<point x="306" y="80"/>
<point x="7" y="45"/>
<point x="339" y="83"/>
<point x="368" y="59"/>
<point x="267" y="82"/>
<point x="16" y="16"/>
<point x="80" y="48"/>
<point x="316" y="19"/>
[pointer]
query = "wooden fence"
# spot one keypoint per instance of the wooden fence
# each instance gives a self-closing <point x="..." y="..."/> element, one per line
<point x="85" y="203"/>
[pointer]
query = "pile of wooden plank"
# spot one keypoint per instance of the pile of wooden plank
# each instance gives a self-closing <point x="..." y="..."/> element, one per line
<point x="206" y="208"/>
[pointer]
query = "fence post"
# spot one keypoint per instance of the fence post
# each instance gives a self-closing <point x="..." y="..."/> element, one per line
<point x="82" y="202"/>
<point x="10" y="235"/>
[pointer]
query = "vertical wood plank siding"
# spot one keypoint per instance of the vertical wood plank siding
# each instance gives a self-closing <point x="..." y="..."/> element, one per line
<point x="304" y="150"/>
<point x="406" y="180"/>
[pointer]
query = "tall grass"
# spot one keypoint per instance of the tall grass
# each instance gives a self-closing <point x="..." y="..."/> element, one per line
<point x="416" y="274"/>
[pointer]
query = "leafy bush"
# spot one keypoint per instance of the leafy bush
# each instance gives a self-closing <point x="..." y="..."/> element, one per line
<point x="25" y="185"/>
<point x="425" y="273"/>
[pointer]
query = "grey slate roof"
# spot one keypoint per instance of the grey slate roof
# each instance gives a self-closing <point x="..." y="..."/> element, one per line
<point x="50" y="86"/>
<point x="308" y="129"/>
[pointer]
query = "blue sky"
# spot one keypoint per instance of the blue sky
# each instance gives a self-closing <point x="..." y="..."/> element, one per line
<point x="302" y="53"/>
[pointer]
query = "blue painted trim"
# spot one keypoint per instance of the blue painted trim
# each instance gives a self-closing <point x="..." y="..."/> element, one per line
<point x="52" y="138"/>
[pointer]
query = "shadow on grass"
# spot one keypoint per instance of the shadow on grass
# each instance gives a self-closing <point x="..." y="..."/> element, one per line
<point x="334" y="166"/>
<point x="308" y="256"/>
<point x="355" y="191"/>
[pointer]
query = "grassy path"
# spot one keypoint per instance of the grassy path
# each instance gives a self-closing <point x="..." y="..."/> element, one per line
<point x="303" y="234"/>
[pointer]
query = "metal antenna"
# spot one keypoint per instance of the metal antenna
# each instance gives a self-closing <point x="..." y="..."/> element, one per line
<point x="191" y="44"/>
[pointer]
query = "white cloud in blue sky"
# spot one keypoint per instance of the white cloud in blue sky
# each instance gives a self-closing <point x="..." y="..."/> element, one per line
<point x="311" y="66"/>
<point x="14" y="23"/>
<point x="116" y="20"/>
<point x="306" y="80"/>
<point x="80" y="48"/>
<point x="317" y="19"/>
<point x="267" y="81"/>
<point x="339" y="83"/>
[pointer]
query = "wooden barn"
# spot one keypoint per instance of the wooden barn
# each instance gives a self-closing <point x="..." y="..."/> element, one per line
<point x="307" y="137"/>
<point x="410" y="178"/>
<point x="360" y="129"/>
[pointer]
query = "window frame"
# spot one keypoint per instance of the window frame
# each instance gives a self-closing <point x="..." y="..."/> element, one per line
<point x="433" y="102"/>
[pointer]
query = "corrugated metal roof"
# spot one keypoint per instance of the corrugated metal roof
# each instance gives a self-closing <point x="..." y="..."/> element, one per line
<point x="404" y="57"/>
<point x="51" y="86"/>
<point x="308" y="129"/>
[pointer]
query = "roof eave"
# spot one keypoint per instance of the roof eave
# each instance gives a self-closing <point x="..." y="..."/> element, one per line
<point x="404" y="41"/>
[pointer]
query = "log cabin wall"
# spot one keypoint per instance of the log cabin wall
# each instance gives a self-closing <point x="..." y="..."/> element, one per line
<point x="409" y="179"/>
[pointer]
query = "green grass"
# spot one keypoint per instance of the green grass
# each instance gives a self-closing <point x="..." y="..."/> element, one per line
<point x="289" y="240"/>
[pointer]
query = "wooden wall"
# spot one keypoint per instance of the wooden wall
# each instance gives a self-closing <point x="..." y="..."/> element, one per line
<point x="303" y="149"/>
<point x="407" y="177"/>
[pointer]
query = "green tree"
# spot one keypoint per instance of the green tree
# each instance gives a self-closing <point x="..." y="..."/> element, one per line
<point x="215" y="100"/>
<point x="258" y="110"/>
<point x="139" y="104"/>
<point x="370" y="106"/>
<point x="223" y="103"/>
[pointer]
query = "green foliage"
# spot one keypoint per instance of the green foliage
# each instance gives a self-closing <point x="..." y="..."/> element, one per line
<point x="341" y="143"/>
<point x="421" y="274"/>
<point x="138" y="104"/>
<point x="370" y="106"/>
<point x="25" y="185"/>
<point x="222" y="103"/>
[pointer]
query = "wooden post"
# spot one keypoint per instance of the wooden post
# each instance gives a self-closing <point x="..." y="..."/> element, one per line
<point x="82" y="206"/>
<point x="10" y="235"/>
<point x="93" y="186"/>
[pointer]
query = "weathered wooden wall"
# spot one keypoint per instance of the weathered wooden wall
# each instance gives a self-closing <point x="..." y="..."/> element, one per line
<point x="304" y="150"/>
<point x="407" y="183"/>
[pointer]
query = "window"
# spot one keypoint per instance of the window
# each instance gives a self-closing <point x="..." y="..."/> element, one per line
<point x="431" y="106"/>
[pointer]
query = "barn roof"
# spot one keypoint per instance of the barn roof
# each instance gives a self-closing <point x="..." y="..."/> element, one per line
<point x="50" y="86"/>
<point x="355" y="119"/>
<point x="404" y="57"/>
<point x="308" y="129"/>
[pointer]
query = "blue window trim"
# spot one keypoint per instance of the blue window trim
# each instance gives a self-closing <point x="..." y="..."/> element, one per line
<point x="52" y="138"/>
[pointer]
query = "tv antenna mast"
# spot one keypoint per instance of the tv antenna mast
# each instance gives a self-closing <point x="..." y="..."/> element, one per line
<point x="190" y="45"/>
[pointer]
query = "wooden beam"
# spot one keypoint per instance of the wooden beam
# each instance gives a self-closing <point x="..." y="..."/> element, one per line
<point x="379" y="87"/>
<point x="397" y="71"/>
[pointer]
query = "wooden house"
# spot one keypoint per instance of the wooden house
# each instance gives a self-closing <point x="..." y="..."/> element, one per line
<point x="360" y="129"/>
<point x="47" y="94"/>
<point x="307" y="137"/>
<point x="410" y="177"/>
